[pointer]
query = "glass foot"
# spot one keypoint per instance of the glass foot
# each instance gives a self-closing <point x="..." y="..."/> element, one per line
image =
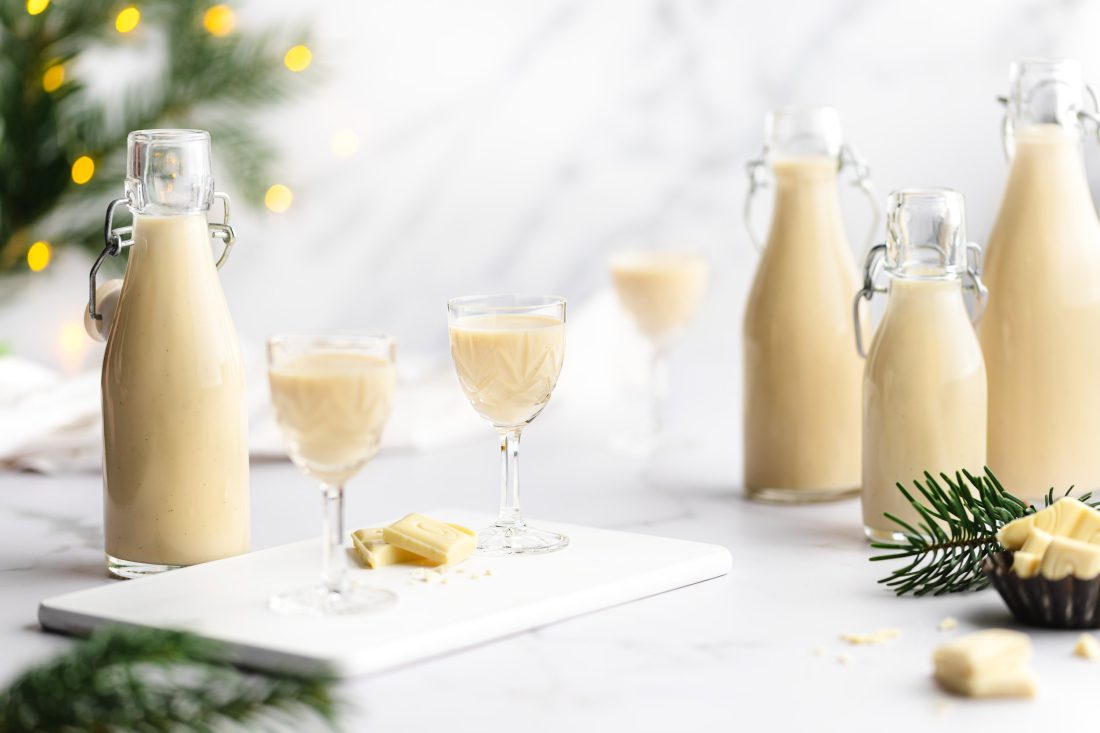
<point x="320" y="601"/>
<point x="519" y="539"/>
<point x="129" y="569"/>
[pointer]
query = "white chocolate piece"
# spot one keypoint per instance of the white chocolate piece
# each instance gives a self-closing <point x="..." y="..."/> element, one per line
<point x="106" y="298"/>
<point x="1026" y="564"/>
<point x="1037" y="541"/>
<point x="1067" y="556"/>
<point x="1087" y="647"/>
<point x="438" y="542"/>
<point x="989" y="663"/>
<point x="1066" y="517"/>
<point x="947" y="624"/>
<point x="375" y="552"/>
<point x="1026" y="560"/>
<point x="993" y="684"/>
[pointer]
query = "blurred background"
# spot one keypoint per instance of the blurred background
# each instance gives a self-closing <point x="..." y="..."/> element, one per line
<point x="386" y="155"/>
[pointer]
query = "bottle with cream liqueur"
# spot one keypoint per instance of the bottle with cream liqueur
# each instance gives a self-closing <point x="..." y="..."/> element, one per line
<point x="924" y="384"/>
<point x="801" y="377"/>
<point x="175" y="463"/>
<point x="1040" y="332"/>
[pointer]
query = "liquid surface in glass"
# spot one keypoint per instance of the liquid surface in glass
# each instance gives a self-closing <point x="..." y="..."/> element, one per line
<point x="508" y="364"/>
<point x="332" y="408"/>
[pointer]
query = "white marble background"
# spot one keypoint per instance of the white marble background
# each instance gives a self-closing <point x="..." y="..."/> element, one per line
<point x="508" y="146"/>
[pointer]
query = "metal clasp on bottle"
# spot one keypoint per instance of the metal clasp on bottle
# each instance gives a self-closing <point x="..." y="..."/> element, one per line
<point x="118" y="239"/>
<point x="873" y="266"/>
<point x="760" y="178"/>
<point x="1083" y="115"/>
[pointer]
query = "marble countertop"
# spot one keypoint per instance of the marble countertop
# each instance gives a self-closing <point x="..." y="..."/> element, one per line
<point x="743" y="649"/>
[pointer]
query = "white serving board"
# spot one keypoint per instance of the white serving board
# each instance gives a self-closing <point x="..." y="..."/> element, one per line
<point x="226" y="600"/>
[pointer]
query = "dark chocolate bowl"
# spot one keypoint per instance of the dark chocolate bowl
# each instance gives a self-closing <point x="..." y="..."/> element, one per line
<point x="1068" y="603"/>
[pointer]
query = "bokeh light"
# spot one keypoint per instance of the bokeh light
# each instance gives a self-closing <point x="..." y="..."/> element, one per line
<point x="34" y="7"/>
<point x="83" y="170"/>
<point x="278" y="198"/>
<point x="127" y="19"/>
<point x="38" y="256"/>
<point x="344" y="143"/>
<point x="298" y="58"/>
<point x="219" y="20"/>
<point x="53" y="78"/>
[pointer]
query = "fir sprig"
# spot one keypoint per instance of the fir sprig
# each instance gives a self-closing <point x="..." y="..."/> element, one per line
<point x="152" y="680"/>
<point x="218" y="83"/>
<point x="956" y="530"/>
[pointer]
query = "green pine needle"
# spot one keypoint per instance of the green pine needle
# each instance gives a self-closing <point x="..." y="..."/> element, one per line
<point x="150" y="680"/>
<point x="957" y="528"/>
<point x="221" y="84"/>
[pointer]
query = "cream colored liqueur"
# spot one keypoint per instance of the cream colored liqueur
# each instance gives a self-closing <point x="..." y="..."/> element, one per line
<point x="924" y="397"/>
<point x="174" y="414"/>
<point x="1041" y="332"/>
<point x="508" y="364"/>
<point x="661" y="290"/>
<point x="802" y="377"/>
<point x="332" y="408"/>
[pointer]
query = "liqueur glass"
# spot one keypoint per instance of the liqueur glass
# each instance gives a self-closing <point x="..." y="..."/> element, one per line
<point x="661" y="290"/>
<point x="508" y="352"/>
<point x="331" y="395"/>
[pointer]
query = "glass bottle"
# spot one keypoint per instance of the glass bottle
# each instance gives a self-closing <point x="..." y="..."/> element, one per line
<point x="924" y="385"/>
<point x="1039" y="334"/>
<point x="801" y="379"/>
<point x="175" y="464"/>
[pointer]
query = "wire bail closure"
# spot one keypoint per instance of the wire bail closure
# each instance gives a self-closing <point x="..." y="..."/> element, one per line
<point x="873" y="264"/>
<point x="1083" y="115"/>
<point x="760" y="178"/>
<point x="118" y="239"/>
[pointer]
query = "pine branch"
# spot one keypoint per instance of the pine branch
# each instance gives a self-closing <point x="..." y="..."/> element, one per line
<point x="209" y="82"/>
<point x="956" y="530"/>
<point x="150" y="680"/>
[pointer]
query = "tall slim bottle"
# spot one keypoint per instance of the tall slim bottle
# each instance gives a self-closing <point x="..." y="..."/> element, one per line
<point x="801" y="377"/>
<point x="175" y="464"/>
<point x="1041" y="332"/>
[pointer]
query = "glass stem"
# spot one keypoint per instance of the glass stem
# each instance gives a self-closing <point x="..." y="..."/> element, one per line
<point x="334" y="573"/>
<point x="659" y="389"/>
<point x="509" y="480"/>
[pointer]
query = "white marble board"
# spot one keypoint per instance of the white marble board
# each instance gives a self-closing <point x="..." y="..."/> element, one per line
<point x="226" y="600"/>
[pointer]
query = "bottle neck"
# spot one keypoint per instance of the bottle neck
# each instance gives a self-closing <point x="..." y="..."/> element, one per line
<point x="1048" y="149"/>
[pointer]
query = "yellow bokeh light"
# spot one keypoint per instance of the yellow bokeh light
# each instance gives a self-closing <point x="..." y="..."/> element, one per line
<point x="38" y="256"/>
<point x="219" y="20"/>
<point x="127" y="19"/>
<point x="278" y="198"/>
<point x="53" y="78"/>
<point x="34" y="7"/>
<point x="83" y="170"/>
<point x="344" y="143"/>
<point x="298" y="58"/>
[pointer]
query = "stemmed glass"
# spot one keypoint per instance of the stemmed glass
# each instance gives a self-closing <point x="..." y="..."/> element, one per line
<point x="332" y="396"/>
<point x="508" y="352"/>
<point x="661" y="290"/>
